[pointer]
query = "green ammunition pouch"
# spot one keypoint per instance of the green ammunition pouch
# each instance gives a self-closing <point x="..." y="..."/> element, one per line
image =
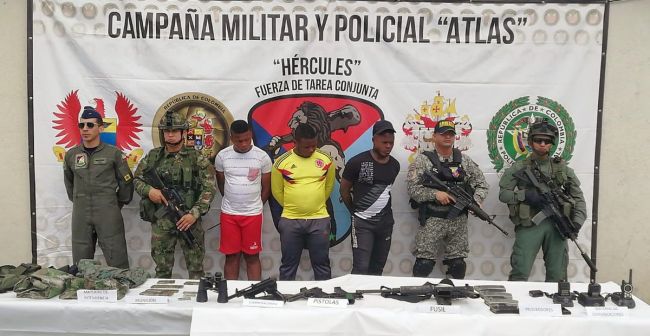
<point x="521" y="214"/>
<point x="147" y="210"/>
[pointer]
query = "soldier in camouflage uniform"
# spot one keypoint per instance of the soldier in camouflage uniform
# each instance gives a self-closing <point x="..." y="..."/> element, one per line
<point x="436" y="231"/>
<point x="524" y="202"/>
<point x="98" y="182"/>
<point x="192" y="175"/>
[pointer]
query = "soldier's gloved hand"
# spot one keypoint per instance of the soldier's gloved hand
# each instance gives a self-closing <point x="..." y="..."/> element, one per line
<point x="444" y="198"/>
<point x="185" y="222"/>
<point x="157" y="197"/>
<point x="533" y="198"/>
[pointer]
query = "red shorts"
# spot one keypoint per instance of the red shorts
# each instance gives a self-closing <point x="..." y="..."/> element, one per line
<point x="241" y="234"/>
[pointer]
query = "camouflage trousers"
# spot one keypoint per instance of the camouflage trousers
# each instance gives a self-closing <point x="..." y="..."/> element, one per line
<point x="164" y="237"/>
<point x="441" y="234"/>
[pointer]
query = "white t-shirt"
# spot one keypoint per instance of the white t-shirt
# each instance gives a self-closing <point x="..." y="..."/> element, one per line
<point x="243" y="179"/>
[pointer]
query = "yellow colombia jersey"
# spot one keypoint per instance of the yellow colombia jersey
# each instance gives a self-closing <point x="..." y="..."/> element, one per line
<point x="303" y="185"/>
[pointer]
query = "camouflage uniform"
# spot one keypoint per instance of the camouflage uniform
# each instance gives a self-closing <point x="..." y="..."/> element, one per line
<point x="45" y="283"/>
<point x="98" y="184"/>
<point x="93" y="275"/>
<point x="438" y="233"/>
<point x="192" y="175"/>
<point x="11" y="275"/>
<point x="529" y="237"/>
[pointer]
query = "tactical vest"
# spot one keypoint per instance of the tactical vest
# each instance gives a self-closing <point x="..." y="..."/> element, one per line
<point x="450" y="173"/>
<point x="181" y="177"/>
<point x="522" y="213"/>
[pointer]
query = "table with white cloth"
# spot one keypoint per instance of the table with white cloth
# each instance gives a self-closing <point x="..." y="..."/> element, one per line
<point x="372" y="315"/>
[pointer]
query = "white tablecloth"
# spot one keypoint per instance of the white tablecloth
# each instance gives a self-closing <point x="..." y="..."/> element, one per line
<point x="372" y="315"/>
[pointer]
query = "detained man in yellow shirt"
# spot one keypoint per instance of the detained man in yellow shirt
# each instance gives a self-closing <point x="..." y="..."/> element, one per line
<point x="302" y="180"/>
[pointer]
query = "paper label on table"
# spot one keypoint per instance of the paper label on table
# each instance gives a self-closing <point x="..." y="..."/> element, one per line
<point x="327" y="303"/>
<point x="263" y="303"/>
<point x="92" y="295"/>
<point x="143" y="299"/>
<point x="540" y="309"/>
<point x="608" y="311"/>
<point x="438" y="309"/>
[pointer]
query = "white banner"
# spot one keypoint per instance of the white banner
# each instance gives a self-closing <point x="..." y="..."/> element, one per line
<point x="340" y="66"/>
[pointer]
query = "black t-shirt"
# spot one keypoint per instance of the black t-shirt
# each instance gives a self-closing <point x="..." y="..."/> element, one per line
<point x="371" y="185"/>
<point x="90" y="150"/>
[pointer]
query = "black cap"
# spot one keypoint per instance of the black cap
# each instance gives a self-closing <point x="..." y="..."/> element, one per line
<point x="382" y="126"/>
<point x="444" y="126"/>
<point x="90" y="112"/>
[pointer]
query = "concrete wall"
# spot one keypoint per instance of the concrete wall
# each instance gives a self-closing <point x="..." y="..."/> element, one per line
<point x="15" y="223"/>
<point x="623" y="238"/>
<point x="623" y="241"/>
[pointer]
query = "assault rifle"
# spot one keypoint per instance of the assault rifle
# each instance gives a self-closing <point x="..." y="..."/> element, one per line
<point x="174" y="208"/>
<point x="554" y="198"/>
<point x="444" y="292"/>
<point x="267" y="286"/>
<point x="317" y="292"/>
<point x="463" y="200"/>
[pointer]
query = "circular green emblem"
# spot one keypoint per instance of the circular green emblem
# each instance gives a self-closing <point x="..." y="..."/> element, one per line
<point x="507" y="135"/>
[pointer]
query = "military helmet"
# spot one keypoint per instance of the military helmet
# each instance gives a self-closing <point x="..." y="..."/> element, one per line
<point x="542" y="127"/>
<point x="173" y="121"/>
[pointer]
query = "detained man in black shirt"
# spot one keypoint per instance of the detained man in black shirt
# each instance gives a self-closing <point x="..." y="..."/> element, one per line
<point x="365" y="189"/>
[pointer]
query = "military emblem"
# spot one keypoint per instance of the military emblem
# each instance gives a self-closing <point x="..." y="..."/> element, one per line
<point x="208" y="118"/>
<point x="419" y="125"/>
<point x="121" y="132"/>
<point x="507" y="135"/>
<point x="343" y="127"/>
<point x="80" y="160"/>
<point x="455" y="171"/>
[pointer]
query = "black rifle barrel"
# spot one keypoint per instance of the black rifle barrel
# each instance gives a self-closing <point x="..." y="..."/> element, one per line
<point x="174" y="203"/>
<point x="562" y="223"/>
<point x="465" y="199"/>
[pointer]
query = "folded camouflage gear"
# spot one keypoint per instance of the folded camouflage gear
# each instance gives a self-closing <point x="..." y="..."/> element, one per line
<point x="93" y="275"/>
<point x="130" y="277"/>
<point x="10" y="275"/>
<point x="74" y="284"/>
<point x="43" y="284"/>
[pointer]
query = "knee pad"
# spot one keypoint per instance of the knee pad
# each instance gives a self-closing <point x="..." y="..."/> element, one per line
<point x="423" y="267"/>
<point x="456" y="267"/>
